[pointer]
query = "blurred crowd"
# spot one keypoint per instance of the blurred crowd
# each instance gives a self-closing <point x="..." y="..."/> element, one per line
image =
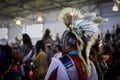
<point x="21" y="60"/>
<point x="30" y="62"/>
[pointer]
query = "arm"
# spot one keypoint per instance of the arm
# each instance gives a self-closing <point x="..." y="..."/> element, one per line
<point x="56" y="71"/>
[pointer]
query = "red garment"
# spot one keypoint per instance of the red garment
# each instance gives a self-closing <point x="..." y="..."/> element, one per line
<point x="109" y="60"/>
<point x="77" y="62"/>
<point x="53" y="75"/>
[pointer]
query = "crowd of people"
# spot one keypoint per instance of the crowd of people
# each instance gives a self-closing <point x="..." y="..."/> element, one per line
<point x="113" y="35"/>
<point x="112" y="43"/>
<point x="78" y="55"/>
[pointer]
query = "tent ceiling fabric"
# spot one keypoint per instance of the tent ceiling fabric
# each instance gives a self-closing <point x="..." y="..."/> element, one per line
<point x="15" y="8"/>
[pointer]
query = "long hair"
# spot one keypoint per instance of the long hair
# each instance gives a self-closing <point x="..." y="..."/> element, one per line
<point x="27" y="40"/>
<point x="40" y="46"/>
<point x="46" y="35"/>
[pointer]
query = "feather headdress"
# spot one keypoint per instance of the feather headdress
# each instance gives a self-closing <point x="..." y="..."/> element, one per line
<point x="81" y="26"/>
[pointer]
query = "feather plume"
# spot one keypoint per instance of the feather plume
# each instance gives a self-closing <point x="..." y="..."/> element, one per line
<point x="67" y="15"/>
<point x="98" y="20"/>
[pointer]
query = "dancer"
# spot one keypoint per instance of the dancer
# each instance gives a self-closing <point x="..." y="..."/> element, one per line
<point x="77" y="41"/>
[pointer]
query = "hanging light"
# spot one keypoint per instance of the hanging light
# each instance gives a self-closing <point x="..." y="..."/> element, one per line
<point x="39" y="19"/>
<point x="106" y="19"/>
<point x="18" y="22"/>
<point x="115" y="8"/>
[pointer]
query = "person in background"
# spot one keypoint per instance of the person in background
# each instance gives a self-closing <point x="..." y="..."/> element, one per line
<point x="113" y="73"/>
<point x="40" y="61"/>
<point x="46" y="37"/>
<point x="28" y="52"/>
<point x="113" y="32"/>
<point x="50" y="52"/>
<point x="17" y="41"/>
<point x="77" y="41"/>
<point x="107" y="36"/>
<point x="118" y="32"/>
<point x="58" y="51"/>
<point x="6" y="72"/>
<point x="58" y="38"/>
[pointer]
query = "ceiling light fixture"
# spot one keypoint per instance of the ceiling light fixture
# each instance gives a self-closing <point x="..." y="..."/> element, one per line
<point x="116" y="5"/>
<point x="106" y="19"/>
<point x="18" y="22"/>
<point x="115" y="8"/>
<point x="39" y="19"/>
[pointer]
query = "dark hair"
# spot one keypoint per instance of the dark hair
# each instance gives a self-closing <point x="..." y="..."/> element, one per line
<point x="5" y="57"/>
<point x="117" y="25"/>
<point x="7" y="49"/>
<point x="27" y="40"/>
<point x="71" y="39"/>
<point x="40" y="45"/>
<point x="59" y="47"/>
<point x="46" y="35"/>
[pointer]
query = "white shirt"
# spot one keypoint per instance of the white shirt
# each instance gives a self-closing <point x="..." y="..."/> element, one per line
<point x="58" y="55"/>
<point x="62" y="73"/>
<point x="61" y="70"/>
